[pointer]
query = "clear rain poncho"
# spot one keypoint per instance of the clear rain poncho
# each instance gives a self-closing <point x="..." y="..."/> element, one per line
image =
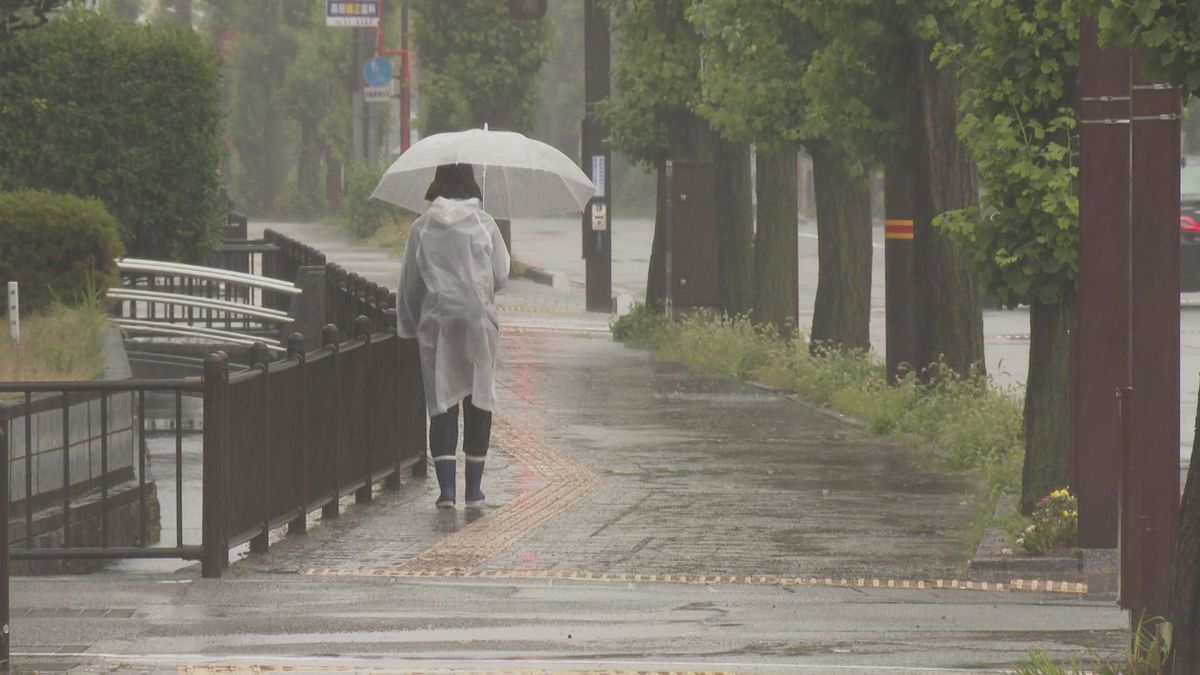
<point x="454" y="262"/>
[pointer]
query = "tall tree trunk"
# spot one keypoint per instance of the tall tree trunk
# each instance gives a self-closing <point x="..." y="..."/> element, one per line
<point x="1047" y="413"/>
<point x="183" y="13"/>
<point x="656" y="278"/>
<point x="775" y="254"/>
<point x="333" y="181"/>
<point x="949" y="307"/>
<point x="127" y="9"/>
<point x="1184" y="610"/>
<point x="308" y="164"/>
<point x="842" y="312"/>
<point x="735" y="224"/>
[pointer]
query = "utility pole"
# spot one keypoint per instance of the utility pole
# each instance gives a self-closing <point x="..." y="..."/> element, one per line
<point x="405" y="81"/>
<point x="1150" y="497"/>
<point x="900" y="289"/>
<point x="1125" y="350"/>
<point x="596" y="159"/>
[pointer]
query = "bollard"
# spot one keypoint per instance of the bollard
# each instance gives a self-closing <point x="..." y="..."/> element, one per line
<point x="362" y="331"/>
<point x="216" y="401"/>
<point x="331" y="340"/>
<point x="295" y="350"/>
<point x="260" y="357"/>
<point x="5" y="653"/>
<point x="14" y="311"/>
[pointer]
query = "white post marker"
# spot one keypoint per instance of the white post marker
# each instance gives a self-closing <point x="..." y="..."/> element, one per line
<point x="14" y="311"/>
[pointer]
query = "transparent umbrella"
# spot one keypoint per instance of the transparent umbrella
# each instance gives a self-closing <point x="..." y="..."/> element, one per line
<point x="519" y="176"/>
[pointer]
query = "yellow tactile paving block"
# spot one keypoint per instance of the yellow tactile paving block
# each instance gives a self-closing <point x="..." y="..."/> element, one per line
<point x="292" y="668"/>
<point x="1021" y="585"/>
<point x="566" y="481"/>
<point x="529" y="309"/>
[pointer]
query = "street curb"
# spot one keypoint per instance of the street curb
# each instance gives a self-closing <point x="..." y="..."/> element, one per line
<point x="556" y="280"/>
<point x="1098" y="568"/>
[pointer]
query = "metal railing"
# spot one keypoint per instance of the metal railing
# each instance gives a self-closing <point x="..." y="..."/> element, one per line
<point x="61" y="397"/>
<point x="280" y="440"/>
<point x="286" y="438"/>
<point x="234" y="298"/>
<point x="347" y="295"/>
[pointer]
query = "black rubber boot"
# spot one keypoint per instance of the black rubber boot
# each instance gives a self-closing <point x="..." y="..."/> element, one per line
<point x="446" y="469"/>
<point x="474" y="479"/>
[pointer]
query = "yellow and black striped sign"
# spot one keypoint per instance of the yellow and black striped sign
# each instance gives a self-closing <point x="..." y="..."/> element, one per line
<point x="897" y="229"/>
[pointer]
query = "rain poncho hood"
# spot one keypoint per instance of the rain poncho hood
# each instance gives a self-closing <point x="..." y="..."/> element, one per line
<point x="454" y="262"/>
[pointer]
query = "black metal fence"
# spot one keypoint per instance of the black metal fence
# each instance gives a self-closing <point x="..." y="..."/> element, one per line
<point x="286" y="438"/>
<point x="347" y="295"/>
<point x="281" y="439"/>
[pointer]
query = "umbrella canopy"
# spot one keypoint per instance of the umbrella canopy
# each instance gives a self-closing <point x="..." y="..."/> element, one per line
<point x="519" y="176"/>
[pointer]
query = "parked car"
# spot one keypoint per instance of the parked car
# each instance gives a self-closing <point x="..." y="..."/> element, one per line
<point x="1189" y="224"/>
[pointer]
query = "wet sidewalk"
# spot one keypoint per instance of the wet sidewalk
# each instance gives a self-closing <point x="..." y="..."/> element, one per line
<point x="639" y="517"/>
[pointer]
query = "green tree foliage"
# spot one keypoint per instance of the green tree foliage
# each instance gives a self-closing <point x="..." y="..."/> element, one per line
<point x="560" y="85"/>
<point x="1164" y="33"/>
<point x="1018" y="121"/>
<point x="57" y="247"/>
<point x="258" y="52"/>
<point x="93" y="106"/>
<point x="656" y="74"/>
<point x="856" y="81"/>
<point x="289" y="79"/>
<point x="20" y="15"/>
<point x="755" y="57"/>
<point x="478" y="64"/>
<point x="315" y="95"/>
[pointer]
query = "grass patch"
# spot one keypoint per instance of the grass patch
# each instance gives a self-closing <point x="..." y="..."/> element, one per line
<point x="965" y="423"/>
<point x="516" y="268"/>
<point x="392" y="235"/>
<point x="1149" y="654"/>
<point x="62" y="343"/>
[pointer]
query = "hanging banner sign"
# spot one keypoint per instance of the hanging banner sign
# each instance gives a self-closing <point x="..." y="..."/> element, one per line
<point x="364" y="14"/>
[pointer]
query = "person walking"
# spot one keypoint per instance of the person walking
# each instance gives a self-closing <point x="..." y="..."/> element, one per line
<point x="455" y="261"/>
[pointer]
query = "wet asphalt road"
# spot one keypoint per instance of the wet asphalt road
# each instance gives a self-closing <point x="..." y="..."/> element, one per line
<point x="665" y="473"/>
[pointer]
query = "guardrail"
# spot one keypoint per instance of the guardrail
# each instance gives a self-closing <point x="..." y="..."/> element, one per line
<point x="177" y="293"/>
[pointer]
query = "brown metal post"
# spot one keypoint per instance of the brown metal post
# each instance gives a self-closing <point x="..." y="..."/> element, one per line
<point x="295" y="350"/>
<point x="1150" y="517"/>
<point x="1100" y="346"/>
<point x="596" y="159"/>
<point x="5" y="651"/>
<point x="331" y="339"/>
<point x="362" y="331"/>
<point x="900" y="212"/>
<point x="216" y="401"/>
<point x="260" y="357"/>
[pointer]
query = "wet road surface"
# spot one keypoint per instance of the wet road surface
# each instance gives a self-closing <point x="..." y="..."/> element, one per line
<point x="639" y="518"/>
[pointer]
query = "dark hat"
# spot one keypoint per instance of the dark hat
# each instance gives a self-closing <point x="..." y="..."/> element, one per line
<point x="453" y="181"/>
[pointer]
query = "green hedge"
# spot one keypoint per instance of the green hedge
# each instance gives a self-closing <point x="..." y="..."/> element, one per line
<point x="364" y="215"/>
<point x="130" y="114"/>
<point x="58" y="247"/>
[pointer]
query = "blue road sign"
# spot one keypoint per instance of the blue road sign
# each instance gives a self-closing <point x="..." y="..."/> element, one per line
<point x="377" y="72"/>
